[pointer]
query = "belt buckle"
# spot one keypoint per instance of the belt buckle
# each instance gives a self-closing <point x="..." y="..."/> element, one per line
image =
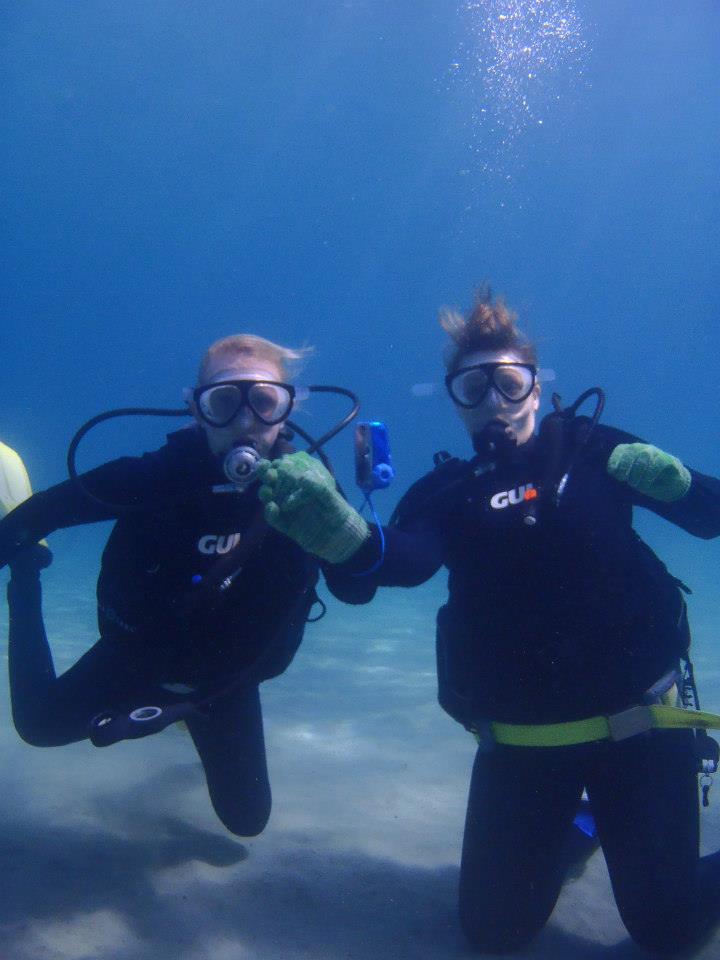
<point x="630" y="722"/>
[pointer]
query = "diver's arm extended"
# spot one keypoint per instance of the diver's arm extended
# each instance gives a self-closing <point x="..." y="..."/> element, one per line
<point x="127" y="480"/>
<point x="407" y="558"/>
<point x="302" y="502"/>
<point x="661" y="483"/>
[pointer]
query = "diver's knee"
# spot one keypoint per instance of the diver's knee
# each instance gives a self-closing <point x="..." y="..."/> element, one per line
<point x="661" y="939"/>
<point x="241" y="819"/>
<point x="662" y="925"/>
<point x="26" y="566"/>
<point x="34" y="730"/>
<point x="663" y="919"/>
<point x="243" y="825"/>
<point x="487" y="935"/>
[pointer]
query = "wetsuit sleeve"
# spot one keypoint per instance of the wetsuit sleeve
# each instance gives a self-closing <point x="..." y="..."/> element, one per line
<point x="412" y="554"/>
<point x="127" y="480"/>
<point x="698" y="512"/>
<point x="412" y="547"/>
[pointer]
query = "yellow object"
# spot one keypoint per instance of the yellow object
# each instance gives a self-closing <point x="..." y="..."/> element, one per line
<point x="618" y="726"/>
<point x="14" y="482"/>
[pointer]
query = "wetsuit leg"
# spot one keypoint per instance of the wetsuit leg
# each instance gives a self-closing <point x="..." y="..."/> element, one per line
<point x="48" y="710"/>
<point x="644" y="795"/>
<point x="51" y="711"/>
<point x="231" y="745"/>
<point x="521" y="806"/>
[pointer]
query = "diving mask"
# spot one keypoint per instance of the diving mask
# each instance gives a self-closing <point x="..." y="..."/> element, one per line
<point x="219" y="403"/>
<point x="469" y="386"/>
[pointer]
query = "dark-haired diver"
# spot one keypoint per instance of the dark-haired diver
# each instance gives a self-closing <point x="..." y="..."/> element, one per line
<point x="158" y="647"/>
<point x="560" y="645"/>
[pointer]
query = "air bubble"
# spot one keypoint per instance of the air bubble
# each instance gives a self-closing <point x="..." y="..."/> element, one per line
<point x="512" y="57"/>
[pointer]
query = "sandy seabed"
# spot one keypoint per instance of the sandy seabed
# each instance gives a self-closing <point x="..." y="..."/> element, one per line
<point x="116" y="854"/>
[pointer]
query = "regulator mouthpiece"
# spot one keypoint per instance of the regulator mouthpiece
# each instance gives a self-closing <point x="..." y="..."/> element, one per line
<point x="240" y="465"/>
<point x="496" y="441"/>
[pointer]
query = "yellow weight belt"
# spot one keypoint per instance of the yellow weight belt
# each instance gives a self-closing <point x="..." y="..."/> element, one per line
<point x="618" y="726"/>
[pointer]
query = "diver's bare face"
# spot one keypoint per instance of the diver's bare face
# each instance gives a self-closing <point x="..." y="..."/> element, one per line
<point x="245" y="428"/>
<point x="520" y="417"/>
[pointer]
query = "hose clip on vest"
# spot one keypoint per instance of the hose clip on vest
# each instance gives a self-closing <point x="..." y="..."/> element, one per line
<point x="707" y="752"/>
<point x="706" y="781"/>
<point x="240" y="465"/>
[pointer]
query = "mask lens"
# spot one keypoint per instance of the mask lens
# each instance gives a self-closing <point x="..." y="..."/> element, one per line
<point x="270" y="402"/>
<point x="514" y="382"/>
<point x="469" y="387"/>
<point x="218" y="405"/>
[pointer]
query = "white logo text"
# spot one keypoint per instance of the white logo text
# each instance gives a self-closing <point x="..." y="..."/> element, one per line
<point x="510" y="498"/>
<point x="216" y="543"/>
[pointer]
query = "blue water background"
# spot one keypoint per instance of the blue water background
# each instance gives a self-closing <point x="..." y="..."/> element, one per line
<point x="176" y="171"/>
<point x="173" y="172"/>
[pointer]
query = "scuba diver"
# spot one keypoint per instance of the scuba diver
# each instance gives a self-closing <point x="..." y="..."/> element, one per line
<point x="198" y="600"/>
<point x="562" y="646"/>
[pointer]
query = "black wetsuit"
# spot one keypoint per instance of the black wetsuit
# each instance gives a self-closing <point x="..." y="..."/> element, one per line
<point x="157" y="645"/>
<point x="567" y="617"/>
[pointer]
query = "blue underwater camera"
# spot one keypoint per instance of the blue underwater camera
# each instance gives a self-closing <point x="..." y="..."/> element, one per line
<point x="373" y="471"/>
<point x="373" y="465"/>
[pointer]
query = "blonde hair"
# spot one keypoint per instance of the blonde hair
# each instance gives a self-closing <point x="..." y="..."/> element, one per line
<point x="247" y="346"/>
<point x="490" y="325"/>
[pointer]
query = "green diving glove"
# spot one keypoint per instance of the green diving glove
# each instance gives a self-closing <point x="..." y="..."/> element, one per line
<point x="302" y="501"/>
<point x="650" y="471"/>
